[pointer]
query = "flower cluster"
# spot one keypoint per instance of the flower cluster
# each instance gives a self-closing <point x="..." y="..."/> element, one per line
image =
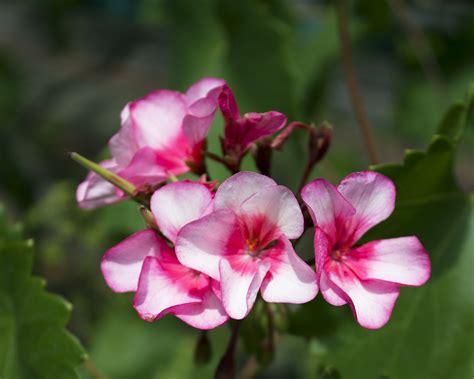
<point x="210" y="250"/>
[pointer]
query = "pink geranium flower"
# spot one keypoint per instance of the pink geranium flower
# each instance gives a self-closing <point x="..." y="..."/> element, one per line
<point x="244" y="244"/>
<point x="162" y="134"/>
<point x="367" y="277"/>
<point x="240" y="132"/>
<point x="145" y="264"/>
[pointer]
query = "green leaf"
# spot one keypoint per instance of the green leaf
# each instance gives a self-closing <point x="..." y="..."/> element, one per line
<point x="456" y="118"/>
<point x="431" y="330"/>
<point x="33" y="341"/>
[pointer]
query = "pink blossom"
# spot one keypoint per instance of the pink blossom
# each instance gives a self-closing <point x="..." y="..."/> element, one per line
<point x="244" y="244"/>
<point x="144" y="263"/>
<point x="366" y="277"/>
<point x="240" y="132"/>
<point x="162" y="134"/>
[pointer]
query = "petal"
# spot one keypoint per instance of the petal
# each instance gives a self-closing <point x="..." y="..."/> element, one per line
<point x="148" y="167"/>
<point x="159" y="291"/>
<point x="371" y="301"/>
<point x="179" y="203"/>
<point x="280" y="210"/>
<point x="228" y="105"/>
<point x="373" y="197"/>
<point x="121" y="265"/>
<point x="255" y="126"/>
<point x="402" y="261"/>
<point x="199" y="119"/>
<point x="327" y="207"/>
<point x="207" y="314"/>
<point x="290" y="279"/>
<point x="331" y="293"/>
<point x="201" y="244"/>
<point x="125" y="114"/>
<point x="202" y="105"/>
<point x="95" y="192"/>
<point x="240" y="284"/>
<point x="157" y="118"/>
<point x="238" y="188"/>
<point x="206" y="87"/>
<point x="123" y="145"/>
<point x="322" y="248"/>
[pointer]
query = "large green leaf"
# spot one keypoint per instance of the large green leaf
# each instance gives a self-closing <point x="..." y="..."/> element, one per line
<point x="33" y="341"/>
<point x="431" y="330"/>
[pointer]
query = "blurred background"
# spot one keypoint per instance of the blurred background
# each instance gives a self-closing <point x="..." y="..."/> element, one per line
<point x="67" y="67"/>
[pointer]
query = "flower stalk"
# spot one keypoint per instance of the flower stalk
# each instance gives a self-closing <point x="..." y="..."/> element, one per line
<point x="111" y="177"/>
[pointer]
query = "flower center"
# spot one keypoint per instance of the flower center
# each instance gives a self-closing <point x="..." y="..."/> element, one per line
<point x="252" y="246"/>
<point x="338" y="255"/>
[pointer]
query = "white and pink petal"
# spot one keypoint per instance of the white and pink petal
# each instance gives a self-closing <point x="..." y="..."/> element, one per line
<point x="159" y="291"/>
<point x="290" y="279"/>
<point x="179" y="203"/>
<point x="144" y="168"/>
<point x="123" y="145"/>
<point x="373" y="197"/>
<point x="239" y="187"/>
<point x="241" y="278"/>
<point x="205" y="315"/>
<point x="202" y="243"/>
<point x="331" y="293"/>
<point x="278" y="208"/>
<point x="205" y="88"/>
<point x="157" y="118"/>
<point x="121" y="265"/>
<point x="327" y="207"/>
<point x="371" y="301"/>
<point x="402" y="261"/>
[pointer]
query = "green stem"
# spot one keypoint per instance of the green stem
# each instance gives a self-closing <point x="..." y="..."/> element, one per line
<point x="112" y="178"/>
<point x="108" y="175"/>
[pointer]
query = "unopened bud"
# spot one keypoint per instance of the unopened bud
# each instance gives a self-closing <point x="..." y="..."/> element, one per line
<point x="319" y="141"/>
<point x="262" y="154"/>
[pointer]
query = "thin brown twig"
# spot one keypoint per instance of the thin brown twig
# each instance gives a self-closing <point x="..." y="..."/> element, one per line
<point x="358" y="104"/>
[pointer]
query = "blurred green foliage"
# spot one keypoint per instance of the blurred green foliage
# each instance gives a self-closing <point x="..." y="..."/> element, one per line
<point x="68" y="67"/>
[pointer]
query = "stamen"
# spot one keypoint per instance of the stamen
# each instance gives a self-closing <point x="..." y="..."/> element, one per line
<point x="252" y="244"/>
<point x="338" y="255"/>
